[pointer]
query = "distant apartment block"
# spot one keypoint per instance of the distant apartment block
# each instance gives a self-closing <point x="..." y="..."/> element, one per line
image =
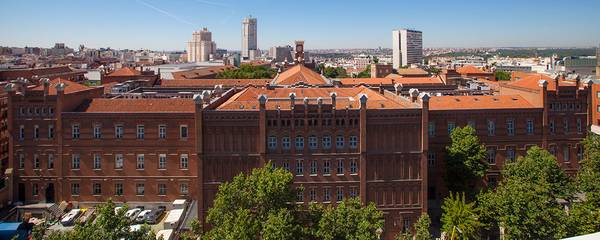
<point x="281" y="53"/>
<point x="407" y="47"/>
<point x="249" y="38"/>
<point x="201" y="46"/>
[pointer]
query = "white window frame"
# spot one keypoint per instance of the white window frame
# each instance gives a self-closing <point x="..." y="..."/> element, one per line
<point x="451" y="127"/>
<point x="567" y="153"/>
<point x="21" y="132"/>
<point x="75" y="161"/>
<point x="299" y="142"/>
<point x="21" y="161"/>
<point x="339" y="141"/>
<point x="339" y="193"/>
<point x="183" y="161"/>
<point x="36" y="132"/>
<point x="119" y="189"/>
<point x="119" y="131"/>
<point x="353" y="141"/>
<point x="162" y="189"/>
<point x="184" y="188"/>
<point x="313" y="142"/>
<point x="36" y="161"/>
<point x="353" y="166"/>
<point x="326" y="167"/>
<point x="119" y="161"/>
<point x="510" y="127"/>
<point x="97" y="164"/>
<point x="140" y="189"/>
<point x="50" y="161"/>
<point x="326" y="142"/>
<point x="530" y="126"/>
<point x="140" y="162"/>
<point x="326" y="194"/>
<point x="162" y="131"/>
<point x="491" y="155"/>
<point x="75" y="131"/>
<point x="339" y="170"/>
<point x="140" y="131"/>
<point x="50" y="131"/>
<point x="75" y="189"/>
<point x="272" y="142"/>
<point x="96" y="189"/>
<point x="97" y="131"/>
<point x="431" y="129"/>
<point x="162" y="161"/>
<point x="285" y="142"/>
<point x="299" y="167"/>
<point x="314" y="167"/>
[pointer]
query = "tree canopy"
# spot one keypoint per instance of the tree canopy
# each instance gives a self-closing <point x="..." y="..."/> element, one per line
<point x="248" y="71"/>
<point x="465" y="160"/>
<point x="460" y="220"/>
<point x="502" y="75"/>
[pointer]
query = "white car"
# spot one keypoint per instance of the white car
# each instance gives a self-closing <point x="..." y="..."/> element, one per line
<point x="131" y="214"/>
<point x="70" y="217"/>
<point x="141" y="217"/>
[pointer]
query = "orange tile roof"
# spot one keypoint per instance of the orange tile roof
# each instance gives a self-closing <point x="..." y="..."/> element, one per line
<point x="247" y="99"/>
<point x="411" y="71"/>
<point x="531" y="81"/>
<point x="201" y="72"/>
<point x="478" y="102"/>
<point x="213" y="82"/>
<point x="391" y="81"/>
<point x="125" y="72"/>
<point x="145" y="105"/>
<point x="70" y="87"/>
<point x="299" y="73"/>
<point x="470" y="69"/>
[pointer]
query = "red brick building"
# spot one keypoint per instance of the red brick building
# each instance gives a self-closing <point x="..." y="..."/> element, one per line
<point x="340" y="138"/>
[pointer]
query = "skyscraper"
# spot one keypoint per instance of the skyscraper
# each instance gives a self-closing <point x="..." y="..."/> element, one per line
<point x="407" y="47"/>
<point x="201" y="46"/>
<point x="249" y="42"/>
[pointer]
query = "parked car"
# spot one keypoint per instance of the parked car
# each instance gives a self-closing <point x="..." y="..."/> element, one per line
<point x="132" y="213"/>
<point x="117" y="209"/>
<point x="70" y="217"/>
<point x="141" y="217"/>
<point x="154" y="215"/>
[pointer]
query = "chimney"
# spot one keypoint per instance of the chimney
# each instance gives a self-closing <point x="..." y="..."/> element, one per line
<point x="46" y="84"/>
<point x="381" y="88"/>
<point x="414" y="94"/>
<point x="363" y="101"/>
<point x="292" y="100"/>
<point x="333" y="97"/>
<point x="398" y="88"/>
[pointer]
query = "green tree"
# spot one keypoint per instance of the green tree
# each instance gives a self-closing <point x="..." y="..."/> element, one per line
<point x="502" y="75"/>
<point x="366" y="73"/>
<point x="195" y="232"/>
<point x="460" y="220"/>
<point x="247" y="71"/>
<point x="584" y="217"/>
<point x="422" y="227"/>
<point x="465" y="161"/>
<point x="526" y="203"/>
<point x="349" y="220"/>
<point x="335" y="72"/>
<point x="435" y="71"/>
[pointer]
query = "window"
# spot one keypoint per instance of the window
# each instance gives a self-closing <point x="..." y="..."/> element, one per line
<point x="162" y="131"/>
<point x="285" y="142"/>
<point x="183" y="161"/>
<point x="119" y="131"/>
<point x="566" y="154"/>
<point x="183" y="188"/>
<point x="162" y="189"/>
<point x="492" y="181"/>
<point x="140" y="131"/>
<point x="51" y="110"/>
<point x="140" y="162"/>
<point x="339" y="194"/>
<point x="75" y="161"/>
<point x="552" y="128"/>
<point x="183" y="131"/>
<point x="119" y="189"/>
<point x="162" y="161"/>
<point x="552" y="150"/>
<point x="340" y="167"/>
<point x="579" y="152"/>
<point x="34" y="189"/>
<point x="510" y="127"/>
<point x="299" y="195"/>
<point x="36" y="132"/>
<point x="286" y="165"/>
<point x="353" y="166"/>
<point x="491" y="155"/>
<point x="326" y="167"/>
<point x="431" y="159"/>
<point x="21" y="132"/>
<point x="326" y="194"/>
<point x="431" y="129"/>
<point x="579" y="126"/>
<point x="75" y="131"/>
<point x="451" y="126"/>
<point x="353" y="192"/>
<point x="299" y="167"/>
<point x="312" y="193"/>
<point x="118" y="161"/>
<point x="139" y="189"/>
<point x="339" y="142"/>
<point x="491" y="126"/>
<point x="50" y="131"/>
<point x="312" y="142"/>
<point x="472" y="124"/>
<point x="566" y="125"/>
<point x="75" y="189"/>
<point x="529" y="126"/>
<point x="97" y="131"/>
<point x="97" y="189"/>
<point x="97" y="161"/>
<point x="313" y="167"/>
<point x="21" y="161"/>
<point x="353" y="141"/>
<point x="510" y="153"/>
<point x="406" y="225"/>
<point x="272" y="142"/>
<point x="299" y="142"/>
<point x="36" y="161"/>
<point x="50" y="161"/>
<point x="326" y="142"/>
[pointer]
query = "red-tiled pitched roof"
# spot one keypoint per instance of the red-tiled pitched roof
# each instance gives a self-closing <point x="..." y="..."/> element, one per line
<point x="70" y="87"/>
<point x="145" y="105"/>
<point x="469" y="69"/>
<point x="125" y="72"/>
<point x="531" y="81"/>
<point x="390" y="81"/>
<point x="411" y="71"/>
<point x="299" y="73"/>
<point x="478" y="102"/>
<point x="201" y="72"/>
<point x="213" y="82"/>
<point x="247" y="99"/>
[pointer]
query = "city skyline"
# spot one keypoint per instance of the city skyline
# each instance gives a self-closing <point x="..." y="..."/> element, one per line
<point x="162" y="25"/>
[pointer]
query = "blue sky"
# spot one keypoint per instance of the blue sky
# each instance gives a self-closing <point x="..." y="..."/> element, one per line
<point x="167" y="24"/>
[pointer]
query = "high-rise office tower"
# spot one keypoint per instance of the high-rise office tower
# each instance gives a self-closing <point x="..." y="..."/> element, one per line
<point x="249" y="42"/>
<point x="201" y="46"/>
<point x="407" y="47"/>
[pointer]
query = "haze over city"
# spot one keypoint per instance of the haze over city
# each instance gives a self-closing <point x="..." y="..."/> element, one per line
<point x="163" y="25"/>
